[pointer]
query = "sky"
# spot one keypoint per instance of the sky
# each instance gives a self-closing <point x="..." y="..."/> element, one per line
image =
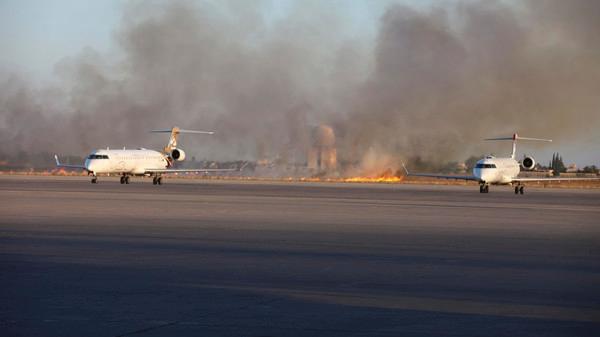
<point x="38" y="35"/>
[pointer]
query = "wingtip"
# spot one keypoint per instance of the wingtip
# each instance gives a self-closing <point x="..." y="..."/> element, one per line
<point x="405" y="169"/>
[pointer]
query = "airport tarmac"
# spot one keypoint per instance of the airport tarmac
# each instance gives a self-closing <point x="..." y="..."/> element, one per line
<point x="223" y="258"/>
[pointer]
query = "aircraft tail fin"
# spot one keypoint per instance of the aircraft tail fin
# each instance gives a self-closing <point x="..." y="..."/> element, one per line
<point x="175" y="131"/>
<point x="514" y="139"/>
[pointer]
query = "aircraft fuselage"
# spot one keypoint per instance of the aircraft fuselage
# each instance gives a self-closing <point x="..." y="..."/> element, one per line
<point x="496" y="171"/>
<point x="130" y="162"/>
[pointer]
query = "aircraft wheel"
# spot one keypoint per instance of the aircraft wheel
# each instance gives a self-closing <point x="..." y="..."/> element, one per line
<point x="516" y="189"/>
<point x="126" y="178"/>
<point x="486" y="189"/>
<point x="522" y="189"/>
<point x="122" y="180"/>
<point x="94" y="180"/>
<point x="154" y="181"/>
<point x="480" y="188"/>
<point x="159" y="180"/>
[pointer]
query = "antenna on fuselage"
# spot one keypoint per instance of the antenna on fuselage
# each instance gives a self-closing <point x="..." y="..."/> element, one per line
<point x="175" y="131"/>
<point x="514" y="139"/>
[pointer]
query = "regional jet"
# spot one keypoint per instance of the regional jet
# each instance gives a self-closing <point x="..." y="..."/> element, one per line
<point x="139" y="162"/>
<point x="491" y="170"/>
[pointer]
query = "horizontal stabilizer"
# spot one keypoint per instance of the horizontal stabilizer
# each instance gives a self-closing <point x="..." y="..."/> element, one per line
<point x="517" y="137"/>
<point x="175" y="132"/>
<point x="184" y="131"/>
<point x="514" y="139"/>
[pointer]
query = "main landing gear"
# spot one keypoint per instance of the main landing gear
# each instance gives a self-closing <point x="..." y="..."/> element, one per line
<point x="94" y="180"/>
<point x="519" y="189"/>
<point x="124" y="179"/>
<point x="157" y="180"/>
<point x="484" y="188"/>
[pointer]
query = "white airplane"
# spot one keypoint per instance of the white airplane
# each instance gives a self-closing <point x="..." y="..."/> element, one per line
<point x="500" y="171"/>
<point x="139" y="162"/>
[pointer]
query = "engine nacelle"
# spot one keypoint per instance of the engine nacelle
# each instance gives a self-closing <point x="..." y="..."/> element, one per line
<point x="178" y="154"/>
<point x="528" y="163"/>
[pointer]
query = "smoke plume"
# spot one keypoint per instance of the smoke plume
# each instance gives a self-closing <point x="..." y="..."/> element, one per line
<point x="432" y="83"/>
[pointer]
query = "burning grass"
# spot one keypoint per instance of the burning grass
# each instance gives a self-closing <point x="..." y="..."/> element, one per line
<point x="383" y="178"/>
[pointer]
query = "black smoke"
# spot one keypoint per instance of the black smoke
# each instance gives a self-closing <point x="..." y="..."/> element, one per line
<point x="432" y="83"/>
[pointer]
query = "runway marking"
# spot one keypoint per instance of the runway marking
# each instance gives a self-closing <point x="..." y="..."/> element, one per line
<point x="455" y="306"/>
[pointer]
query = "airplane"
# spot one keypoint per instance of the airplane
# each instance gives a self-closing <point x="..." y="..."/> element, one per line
<point x="139" y="162"/>
<point x="491" y="170"/>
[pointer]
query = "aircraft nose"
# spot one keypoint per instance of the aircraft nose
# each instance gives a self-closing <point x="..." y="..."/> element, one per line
<point x="482" y="174"/>
<point x="486" y="175"/>
<point x="89" y="165"/>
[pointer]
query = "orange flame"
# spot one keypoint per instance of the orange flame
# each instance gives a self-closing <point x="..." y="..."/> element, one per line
<point x="385" y="177"/>
<point x="382" y="179"/>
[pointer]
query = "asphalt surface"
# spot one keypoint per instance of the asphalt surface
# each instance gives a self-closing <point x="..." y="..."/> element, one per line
<point x="194" y="258"/>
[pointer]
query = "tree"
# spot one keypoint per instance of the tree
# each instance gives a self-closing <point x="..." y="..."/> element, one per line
<point x="557" y="164"/>
<point x="590" y="169"/>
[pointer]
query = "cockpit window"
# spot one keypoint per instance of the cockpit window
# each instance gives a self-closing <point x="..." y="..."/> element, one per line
<point x="480" y="166"/>
<point x="98" y="156"/>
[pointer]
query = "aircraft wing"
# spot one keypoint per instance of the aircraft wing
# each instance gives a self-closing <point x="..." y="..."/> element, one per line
<point x="440" y="176"/>
<point x="59" y="164"/>
<point x="188" y="170"/>
<point x="517" y="180"/>
<point x="193" y="170"/>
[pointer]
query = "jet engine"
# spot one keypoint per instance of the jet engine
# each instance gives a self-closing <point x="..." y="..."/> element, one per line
<point x="528" y="163"/>
<point x="178" y="154"/>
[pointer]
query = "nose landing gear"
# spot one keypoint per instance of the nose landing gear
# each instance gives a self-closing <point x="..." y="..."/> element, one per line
<point x="157" y="180"/>
<point x="484" y="188"/>
<point x="94" y="180"/>
<point x="519" y="189"/>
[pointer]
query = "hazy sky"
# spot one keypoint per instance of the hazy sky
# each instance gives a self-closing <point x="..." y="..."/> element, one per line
<point x="36" y="35"/>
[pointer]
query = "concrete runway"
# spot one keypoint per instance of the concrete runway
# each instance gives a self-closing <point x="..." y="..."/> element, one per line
<point x="193" y="258"/>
